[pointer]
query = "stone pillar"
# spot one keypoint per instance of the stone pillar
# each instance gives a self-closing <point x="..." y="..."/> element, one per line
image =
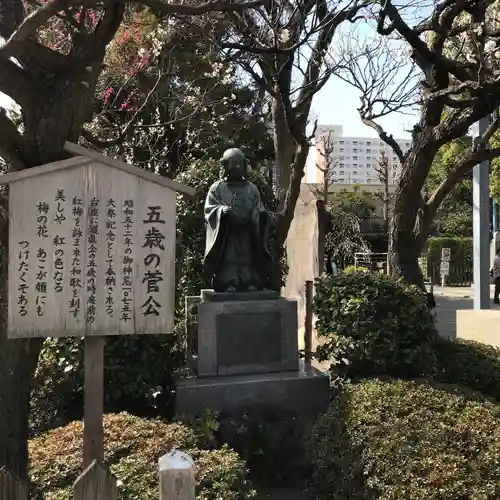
<point x="481" y="228"/>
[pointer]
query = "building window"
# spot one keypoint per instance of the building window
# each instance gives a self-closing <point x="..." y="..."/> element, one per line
<point x="355" y="150"/>
<point x="341" y="157"/>
<point x="341" y="142"/>
<point x="341" y="172"/>
<point x="341" y="149"/>
<point x="354" y="142"/>
<point x="368" y="150"/>
<point x="341" y="165"/>
<point x="341" y="180"/>
<point x="355" y="172"/>
<point x="354" y="157"/>
<point x="368" y="143"/>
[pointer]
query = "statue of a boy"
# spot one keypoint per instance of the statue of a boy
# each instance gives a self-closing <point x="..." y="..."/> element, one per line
<point x="237" y="226"/>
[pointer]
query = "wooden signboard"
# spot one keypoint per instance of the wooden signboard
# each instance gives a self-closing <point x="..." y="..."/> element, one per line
<point x="91" y="253"/>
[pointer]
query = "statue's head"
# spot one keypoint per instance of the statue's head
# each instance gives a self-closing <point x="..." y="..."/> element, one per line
<point x="234" y="163"/>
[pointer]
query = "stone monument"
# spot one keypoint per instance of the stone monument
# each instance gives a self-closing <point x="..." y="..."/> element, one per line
<point x="243" y="339"/>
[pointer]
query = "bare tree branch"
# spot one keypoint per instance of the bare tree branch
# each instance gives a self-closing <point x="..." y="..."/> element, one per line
<point x="32" y="22"/>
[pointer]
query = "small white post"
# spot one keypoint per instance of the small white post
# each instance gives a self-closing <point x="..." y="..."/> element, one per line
<point x="177" y="476"/>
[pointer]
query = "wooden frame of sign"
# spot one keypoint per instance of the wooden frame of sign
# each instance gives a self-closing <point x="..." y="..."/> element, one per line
<point x="91" y="253"/>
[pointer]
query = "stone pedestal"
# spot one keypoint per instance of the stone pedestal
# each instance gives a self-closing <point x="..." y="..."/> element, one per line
<point x="244" y="351"/>
<point x="305" y="391"/>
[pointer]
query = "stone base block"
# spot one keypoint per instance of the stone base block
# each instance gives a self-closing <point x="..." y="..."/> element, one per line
<point x="306" y="391"/>
<point x="247" y="337"/>
<point x="481" y="325"/>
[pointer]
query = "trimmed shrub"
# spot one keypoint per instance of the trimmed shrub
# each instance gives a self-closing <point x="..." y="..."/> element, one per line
<point x="461" y="249"/>
<point x="138" y="378"/>
<point x="389" y="440"/>
<point x="372" y="324"/>
<point x="355" y="269"/>
<point x="133" y="446"/>
<point x="469" y="364"/>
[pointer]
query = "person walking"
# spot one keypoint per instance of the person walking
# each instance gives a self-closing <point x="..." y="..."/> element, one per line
<point x="495" y="271"/>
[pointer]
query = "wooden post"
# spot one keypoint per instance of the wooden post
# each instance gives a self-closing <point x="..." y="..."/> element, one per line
<point x="93" y="429"/>
<point x="95" y="483"/>
<point x="177" y="476"/>
<point x="11" y="487"/>
<point x="308" y="322"/>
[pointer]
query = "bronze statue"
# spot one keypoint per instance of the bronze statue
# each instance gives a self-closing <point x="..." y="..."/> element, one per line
<point x="237" y="227"/>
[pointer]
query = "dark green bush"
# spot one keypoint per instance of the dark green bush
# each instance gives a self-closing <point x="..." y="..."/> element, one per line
<point x="393" y="440"/>
<point x="370" y="324"/>
<point x="272" y="441"/>
<point x="469" y="364"/>
<point x="133" y="446"/>
<point x="138" y="378"/>
<point x="461" y="249"/>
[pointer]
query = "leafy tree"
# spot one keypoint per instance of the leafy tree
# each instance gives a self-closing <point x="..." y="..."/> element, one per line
<point x="453" y="53"/>
<point x="356" y="201"/>
<point x="50" y="65"/>
<point x="343" y="237"/>
<point x="183" y="101"/>
<point x="454" y="217"/>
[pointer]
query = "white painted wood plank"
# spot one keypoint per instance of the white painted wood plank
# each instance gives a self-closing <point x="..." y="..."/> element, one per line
<point x="88" y="274"/>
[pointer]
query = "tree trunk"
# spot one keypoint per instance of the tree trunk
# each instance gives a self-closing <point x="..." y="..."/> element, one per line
<point x="58" y="117"/>
<point x="404" y="250"/>
<point x="284" y="150"/>
<point x="409" y="228"/>
<point x="18" y="359"/>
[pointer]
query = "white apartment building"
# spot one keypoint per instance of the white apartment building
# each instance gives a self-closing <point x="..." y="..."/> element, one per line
<point x="352" y="160"/>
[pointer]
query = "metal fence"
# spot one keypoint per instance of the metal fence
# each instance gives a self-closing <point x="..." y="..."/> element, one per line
<point x="374" y="262"/>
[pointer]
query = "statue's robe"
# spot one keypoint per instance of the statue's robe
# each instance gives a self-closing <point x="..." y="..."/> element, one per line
<point x="236" y="250"/>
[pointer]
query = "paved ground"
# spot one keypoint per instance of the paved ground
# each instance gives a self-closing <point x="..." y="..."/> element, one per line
<point x="449" y="300"/>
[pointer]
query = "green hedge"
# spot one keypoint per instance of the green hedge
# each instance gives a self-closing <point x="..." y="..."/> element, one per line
<point x="138" y="378"/>
<point x="133" y="446"/>
<point x="393" y="439"/>
<point x="461" y="250"/>
<point x="371" y="324"/>
<point x="469" y="364"/>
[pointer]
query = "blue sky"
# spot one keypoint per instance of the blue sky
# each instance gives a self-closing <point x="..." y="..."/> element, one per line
<point x="336" y="104"/>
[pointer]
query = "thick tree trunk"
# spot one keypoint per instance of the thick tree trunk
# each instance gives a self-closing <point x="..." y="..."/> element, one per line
<point x="404" y="250"/>
<point x="409" y="227"/>
<point x="18" y="359"/>
<point x="57" y="118"/>
<point x="284" y="150"/>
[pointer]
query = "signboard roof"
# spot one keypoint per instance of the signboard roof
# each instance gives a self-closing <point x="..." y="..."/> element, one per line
<point x="86" y="156"/>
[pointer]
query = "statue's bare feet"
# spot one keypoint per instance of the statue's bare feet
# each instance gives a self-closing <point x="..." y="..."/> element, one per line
<point x="252" y="289"/>
<point x="231" y="289"/>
